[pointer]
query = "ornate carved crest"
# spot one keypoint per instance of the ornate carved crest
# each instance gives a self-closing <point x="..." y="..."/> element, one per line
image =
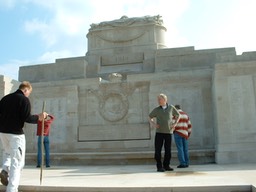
<point x="113" y="106"/>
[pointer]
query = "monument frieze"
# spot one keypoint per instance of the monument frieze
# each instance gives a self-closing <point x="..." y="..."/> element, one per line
<point x="125" y="21"/>
<point x="118" y="37"/>
<point x="119" y="59"/>
<point x="113" y="106"/>
<point x="114" y="111"/>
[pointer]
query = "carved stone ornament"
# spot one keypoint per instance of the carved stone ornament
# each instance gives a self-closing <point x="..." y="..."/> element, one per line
<point x="115" y="77"/>
<point x="113" y="106"/>
<point x="125" y="21"/>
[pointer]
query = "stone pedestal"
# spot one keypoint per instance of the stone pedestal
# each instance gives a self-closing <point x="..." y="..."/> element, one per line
<point x="125" y="45"/>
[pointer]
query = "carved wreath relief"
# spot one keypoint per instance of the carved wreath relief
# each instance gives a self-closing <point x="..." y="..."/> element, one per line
<point x="113" y="106"/>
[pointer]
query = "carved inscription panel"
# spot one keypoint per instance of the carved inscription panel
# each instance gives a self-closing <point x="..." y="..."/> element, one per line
<point x="61" y="102"/>
<point x="122" y="59"/>
<point x="242" y="108"/>
<point x="115" y="111"/>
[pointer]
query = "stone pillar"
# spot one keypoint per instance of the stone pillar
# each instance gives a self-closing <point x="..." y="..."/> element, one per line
<point x="234" y="90"/>
<point x="126" y="45"/>
<point x="126" y="35"/>
<point x="7" y="85"/>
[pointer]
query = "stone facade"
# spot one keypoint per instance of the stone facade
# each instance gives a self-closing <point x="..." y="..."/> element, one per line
<point x="101" y="101"/>
<point x="7" y="85"/>
<point x="234" y="97"/>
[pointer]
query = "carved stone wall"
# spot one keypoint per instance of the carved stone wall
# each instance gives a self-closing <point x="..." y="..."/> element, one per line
<point x="125" y="45"/>
<point x="126" y="35"/>
<point x="102" y="100"/>
<point x="116" y="111"/>
<point x="235" y="110"/>
<point x="62" y="102"/>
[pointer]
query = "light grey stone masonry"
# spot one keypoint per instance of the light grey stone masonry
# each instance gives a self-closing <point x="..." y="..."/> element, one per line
<point x="101" y="100"/>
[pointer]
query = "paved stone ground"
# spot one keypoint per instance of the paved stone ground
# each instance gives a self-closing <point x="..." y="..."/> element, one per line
<point x="210" y="177"/>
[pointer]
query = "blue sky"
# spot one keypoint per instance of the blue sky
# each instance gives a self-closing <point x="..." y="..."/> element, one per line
<point x="40" y="31"/>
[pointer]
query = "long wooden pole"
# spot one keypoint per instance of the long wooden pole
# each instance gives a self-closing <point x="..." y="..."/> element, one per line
<point x="42" y="148"/>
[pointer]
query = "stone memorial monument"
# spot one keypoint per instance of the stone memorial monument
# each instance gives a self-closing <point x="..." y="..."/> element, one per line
<point x="101" y="101"/>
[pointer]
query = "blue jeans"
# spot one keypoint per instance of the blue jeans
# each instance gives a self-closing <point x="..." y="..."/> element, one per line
<point x="182" y="147"/>
<point x="46" y="143"/>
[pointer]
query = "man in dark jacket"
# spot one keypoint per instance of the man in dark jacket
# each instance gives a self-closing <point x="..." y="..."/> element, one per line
<point x="15" y="110"/>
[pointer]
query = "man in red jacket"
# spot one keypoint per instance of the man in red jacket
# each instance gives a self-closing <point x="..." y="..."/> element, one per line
<point x="47" y="126"/>
<point x="182" y="132"/>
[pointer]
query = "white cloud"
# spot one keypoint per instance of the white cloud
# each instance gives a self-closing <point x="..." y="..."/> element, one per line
<point x="7" y="4"/>
<point x="65" y="33"/>
<point x="45" y="31"/>
<point x="233" y="27"/>
<point x="72" y="19"/>
<point x="67" y="23"/>
<point x="11" y="69"/>
<point x="70" y="24"/>
<point x="50" y="57"/>
<point x="241" y="30"/>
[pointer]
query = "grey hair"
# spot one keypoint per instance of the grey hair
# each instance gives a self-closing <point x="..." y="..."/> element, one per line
<point x="163" y="96"/>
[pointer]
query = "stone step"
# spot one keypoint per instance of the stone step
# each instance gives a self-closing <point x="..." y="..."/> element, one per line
<point x="141" y="178"/>
<point x="235" y="188"/>
<point x="120" y="158"/>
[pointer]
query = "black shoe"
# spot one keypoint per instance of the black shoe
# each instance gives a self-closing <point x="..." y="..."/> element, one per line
<point x="168" y="169"/>
<point x="160" y="170"/>
<point x="48" y="166"/>
<point x="4" y="177"/>
<point x="38" y="166"/>
<point x="182" y="166"/>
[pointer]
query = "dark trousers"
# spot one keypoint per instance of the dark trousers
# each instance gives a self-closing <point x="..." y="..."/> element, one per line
<point x="160" y="140"/>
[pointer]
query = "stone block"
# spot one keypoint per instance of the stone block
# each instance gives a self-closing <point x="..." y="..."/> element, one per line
<point x="62" y="69"/>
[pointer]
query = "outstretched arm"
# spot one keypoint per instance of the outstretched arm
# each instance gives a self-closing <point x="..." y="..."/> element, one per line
<point x="152" y="123"/>
<point x="35" y="118"/>
<point x="177" y="116"/>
